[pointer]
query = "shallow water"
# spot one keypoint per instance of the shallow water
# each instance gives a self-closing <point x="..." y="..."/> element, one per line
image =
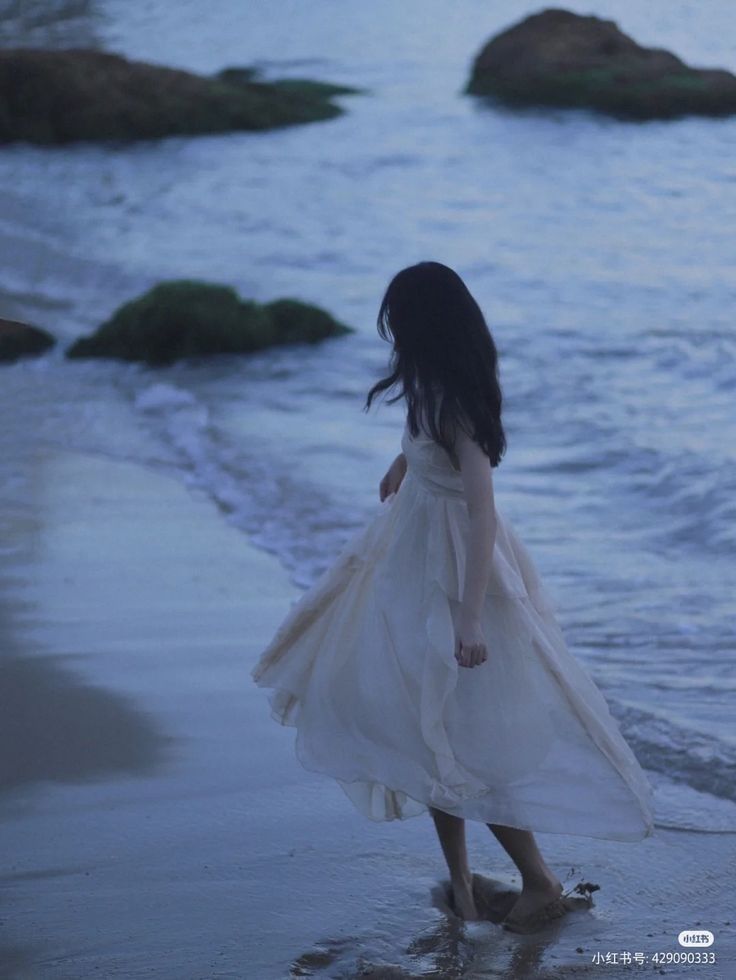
<point x="601" y="252"/>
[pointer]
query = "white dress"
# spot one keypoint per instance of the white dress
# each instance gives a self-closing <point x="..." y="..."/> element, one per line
<point x="363" y="666"/>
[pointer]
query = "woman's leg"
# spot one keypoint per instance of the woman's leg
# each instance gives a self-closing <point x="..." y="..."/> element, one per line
<point x="451" y="832"/>
<point x="539" y="884"/>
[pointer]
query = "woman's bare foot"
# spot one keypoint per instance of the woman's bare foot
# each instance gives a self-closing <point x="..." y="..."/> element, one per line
<point x="538" y="903"/>
<point x="463" y="901"/>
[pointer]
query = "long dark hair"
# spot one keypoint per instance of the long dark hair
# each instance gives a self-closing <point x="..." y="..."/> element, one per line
<point x="443" y="354"/>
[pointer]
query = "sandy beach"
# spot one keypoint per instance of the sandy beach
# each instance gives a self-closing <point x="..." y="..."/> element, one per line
<point x="157" y="824"/>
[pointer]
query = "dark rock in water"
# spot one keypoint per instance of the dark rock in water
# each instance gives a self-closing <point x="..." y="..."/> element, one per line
<point x="185" y="318"/>
<point x="22" y="340"/>
<point x="52" y="97"/>
<point x="559" y="58"/>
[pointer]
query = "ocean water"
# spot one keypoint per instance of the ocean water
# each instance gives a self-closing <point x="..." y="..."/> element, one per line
<point x="602" y="253"/>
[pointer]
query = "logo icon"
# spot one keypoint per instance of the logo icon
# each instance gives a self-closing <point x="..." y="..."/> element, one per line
<point x="695" y="937"/>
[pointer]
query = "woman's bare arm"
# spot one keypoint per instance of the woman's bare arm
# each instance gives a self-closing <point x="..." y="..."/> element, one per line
<point x="394" y="475"/>
<point x="477" y="477"/>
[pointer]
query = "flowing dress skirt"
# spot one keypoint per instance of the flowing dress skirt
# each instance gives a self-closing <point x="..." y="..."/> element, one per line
<point x="363" y="667"/>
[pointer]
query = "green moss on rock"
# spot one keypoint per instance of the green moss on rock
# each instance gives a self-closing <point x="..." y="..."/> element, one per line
<point x="558" y="58"/>
<point x="53" y="97"/>
<point x="185" y="318"/>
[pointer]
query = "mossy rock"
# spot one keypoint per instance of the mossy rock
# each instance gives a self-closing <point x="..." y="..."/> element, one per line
<point x="185" y="318"/>
<point x="19" y="339"/>
<point x="558" y="58"/>
<point x="56" y="97"/>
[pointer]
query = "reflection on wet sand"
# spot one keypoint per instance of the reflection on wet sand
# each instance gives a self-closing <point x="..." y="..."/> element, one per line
<point x="15" y="962"/>
<point x="450" y="950"/>
<point x="56" y="727"/>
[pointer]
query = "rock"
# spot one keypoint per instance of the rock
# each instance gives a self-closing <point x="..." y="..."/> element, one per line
<point x="52" y="97"/>
<point x="185" y="318"/>
<point x="22" y="340"/>
<point x="560" y="58"/>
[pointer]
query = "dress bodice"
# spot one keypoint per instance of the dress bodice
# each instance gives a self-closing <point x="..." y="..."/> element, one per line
<point x="429" y="464"/>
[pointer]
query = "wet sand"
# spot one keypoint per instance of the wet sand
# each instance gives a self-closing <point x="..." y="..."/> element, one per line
<point x="155" y="822"/>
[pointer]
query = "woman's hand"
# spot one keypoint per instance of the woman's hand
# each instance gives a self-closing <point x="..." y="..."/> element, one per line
<point x="394" y="475"/>
<point x="470" y="644"/>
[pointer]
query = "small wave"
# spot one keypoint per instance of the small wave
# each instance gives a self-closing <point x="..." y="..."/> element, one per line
<point x="694" y="500"/>
<point x="162" y="396"/>
<point x="679" y="807"/>
<point x="688" y="494"/>
<point x="704" y="763"/>
<point x="301" y="525"/>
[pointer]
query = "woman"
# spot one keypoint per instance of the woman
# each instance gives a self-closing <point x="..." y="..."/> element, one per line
<point x="425" y="669"/>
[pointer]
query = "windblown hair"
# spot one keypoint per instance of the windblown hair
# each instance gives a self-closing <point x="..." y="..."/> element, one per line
<point x="443" y="356"/>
